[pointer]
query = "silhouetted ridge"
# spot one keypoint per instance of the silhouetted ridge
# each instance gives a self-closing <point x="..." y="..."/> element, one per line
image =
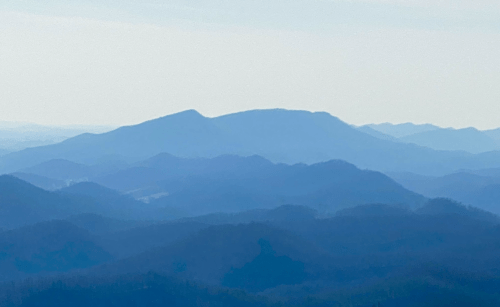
<point x="374" y="210"/>
<point x="211" y="253"/>
<point x="265" y="271"/>
<point x="444" y="206"/>
<point x="55" y="246"/>
<point x="278" y="135"/>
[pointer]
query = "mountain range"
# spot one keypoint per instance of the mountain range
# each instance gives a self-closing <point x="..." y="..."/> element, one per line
<point x="469" y="139"/>
<point x="480" y="188"/>
<point x="278" y="135"/>
<point x="259" y="208"/>
<point x="191" y="187"/>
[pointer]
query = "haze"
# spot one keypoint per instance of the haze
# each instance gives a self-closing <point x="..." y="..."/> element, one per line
<point x="120" y="62"/>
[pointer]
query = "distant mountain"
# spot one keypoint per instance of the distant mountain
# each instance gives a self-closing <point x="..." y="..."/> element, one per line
<point x="143" y="177"/>
<point x="477" y="188"/>
<point x="61" y="169"/>
<point x="72" y="172"/>
<point x="375" y="133"/>
<point x="444" y="206"/>
<point x="402" y="130"/>
<point x="171" y="187"/>
<point x="110" y="203"/>
<point x="468" y="139"/>
<point x="234" y="187"/>
<point x="23" y="204"/>
<point x="493" y="133"/>
<point x="42" y="182"/>
<point x="278" y="135"/>
<point x="55" y="246"/>
<point x="281" y="213"/>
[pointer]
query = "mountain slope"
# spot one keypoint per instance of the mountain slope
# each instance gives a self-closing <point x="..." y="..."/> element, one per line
<point x="476" y="188"/>
<point x="327" y="186"/>
<point x="211" y="253"/>
<point x="278" y="135"/>
<point x="402" y="130"/>
<point x="468" y="139"/>
<point x="22" y="204"/>
<point x="55" y="246"/>
<point x="110" y="203"/>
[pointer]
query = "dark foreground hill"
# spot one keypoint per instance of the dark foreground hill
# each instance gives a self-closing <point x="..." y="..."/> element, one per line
<point x="48" y="247"/>
<point x="361" y="256"/>
<point x="431" y="287"/>
<point x="279" y="135"/>
<point x="213" y="253"/>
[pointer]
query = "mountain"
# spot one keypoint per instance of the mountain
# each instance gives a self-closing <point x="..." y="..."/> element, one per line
<point x="493" y="133"/>
<point x="70" y="172"/>
<point x="213" y="252"/>
<point x="375" y="133"/>
<point x="61" y="169"/>
<point x="374" y="210"/>
<point x="278" y="135"/>
<point x="55" y="246"/>
<point x="442" y="232"/>
<point x="23" y="204"/>
<point x="101" y="225"/>
<point x="327" y="186"/>
<point x="132" y="290"/>
<point x="477" y="188"/>
<point x="143" y="177"/>
<point x="467" y="139"/>
<point x="402" y="130"/>
<point x="110" y="203"/>
<point x="184" y="134"/>
<point x="432" y="256"/>
<point x="136" y="240"/>
<point x="444" y="206"/>
<point x="42" y="182"/>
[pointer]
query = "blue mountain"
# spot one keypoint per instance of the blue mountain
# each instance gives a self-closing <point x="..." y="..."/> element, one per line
<point x="278" y="135"/>
<point x="402" y="130"/>
<point x="467" y="139"/>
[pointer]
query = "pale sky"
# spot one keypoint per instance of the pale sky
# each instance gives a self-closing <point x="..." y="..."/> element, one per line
<point x="116" y="62"/>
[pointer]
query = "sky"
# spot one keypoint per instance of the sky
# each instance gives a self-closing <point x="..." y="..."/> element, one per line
<point x="113" y="62"/>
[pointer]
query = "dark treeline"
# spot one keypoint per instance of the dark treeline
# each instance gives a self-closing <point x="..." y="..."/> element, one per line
<point x="442" y="254"/>
<point x="431" y="287"/>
